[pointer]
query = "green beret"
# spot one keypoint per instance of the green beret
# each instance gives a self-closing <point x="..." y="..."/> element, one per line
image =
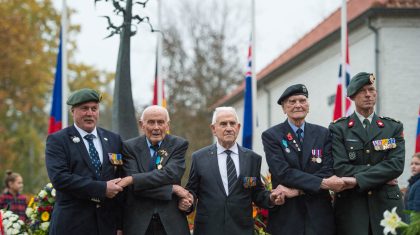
<point x="297" y="89"/>
<point x="84" y="95"/>
<point x="358" y="81"/>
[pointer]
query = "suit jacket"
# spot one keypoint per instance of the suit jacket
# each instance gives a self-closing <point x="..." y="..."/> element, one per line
<point x="81" y="205"/>
<point x="216" y="212"/>
<point x="294" y="165"/>
<point x="151" y="192"/>
<point x="354" y="155"/>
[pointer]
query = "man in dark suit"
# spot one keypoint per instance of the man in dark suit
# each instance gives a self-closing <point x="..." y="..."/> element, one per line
<point x="369" y="154"/>
<point x="80" y="169"/>
<point x="299" y="158"/>
<point x="225" y="179"/>
<point x="154" y="164"/>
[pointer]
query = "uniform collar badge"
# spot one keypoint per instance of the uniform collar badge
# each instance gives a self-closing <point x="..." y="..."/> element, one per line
<point x="351" y="123"/>
<point x="380" y="123"/>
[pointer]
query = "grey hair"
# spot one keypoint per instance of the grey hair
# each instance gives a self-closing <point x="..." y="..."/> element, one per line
<point x="223" y="109"/>
<point x="157" y="107"/>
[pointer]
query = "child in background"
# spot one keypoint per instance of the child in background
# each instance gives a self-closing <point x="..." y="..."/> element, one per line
<point x="413" y="194"/>
<point x="11" y="197"/>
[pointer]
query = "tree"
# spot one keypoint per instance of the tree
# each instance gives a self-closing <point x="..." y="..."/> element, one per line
<point x="29" y="34"/>
<point x="200" y="67"/>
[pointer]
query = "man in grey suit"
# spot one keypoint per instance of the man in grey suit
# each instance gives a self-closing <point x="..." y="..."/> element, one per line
<point x="225" y="179"/>
<point x="154" y="164"/>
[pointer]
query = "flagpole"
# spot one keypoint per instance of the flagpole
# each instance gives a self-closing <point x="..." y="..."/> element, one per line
<point x="158" y="59"/>
<point x="64" y="83"/>
<point x="254" y="75"/>
<point x="343" y="56"/>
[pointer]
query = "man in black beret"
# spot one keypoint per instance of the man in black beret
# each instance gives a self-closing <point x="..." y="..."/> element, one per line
<point x="298" y="154"/>
<point x="368" y="152"/>
<point x="82" y="162"/>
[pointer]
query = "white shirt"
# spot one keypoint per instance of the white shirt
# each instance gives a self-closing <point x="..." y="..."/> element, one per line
<point x="362" y="118"/>
<point x="221" y="159"/>
<point x="96" y="141"/>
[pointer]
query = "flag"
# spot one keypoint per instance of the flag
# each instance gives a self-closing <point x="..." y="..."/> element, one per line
<point x="156" y="87"/>
<point x="342" y="90"/>
<point x="56" y="107"/>
<point x="1" y="224"/>
<point x="418" y="134"/>
<point x="248" y="112"/>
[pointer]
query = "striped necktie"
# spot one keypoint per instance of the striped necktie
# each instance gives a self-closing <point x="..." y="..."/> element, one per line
<point x="231" y="171"/>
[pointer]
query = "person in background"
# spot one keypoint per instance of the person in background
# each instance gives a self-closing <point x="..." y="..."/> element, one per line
<point x="11" y="198"/>
<point x="412" y="201"/>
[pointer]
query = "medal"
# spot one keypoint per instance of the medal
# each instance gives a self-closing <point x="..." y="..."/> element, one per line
<point x="313" y="159"/>
<point x="159" y="166"/>
<point x="287" y="150"/>
<point x="318" y="160"/>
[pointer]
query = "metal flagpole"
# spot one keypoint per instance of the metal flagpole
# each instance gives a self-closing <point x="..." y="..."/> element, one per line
<point x="159" y="53"/>
<point x="64" y="83"/>
<point x="343" y="56"/>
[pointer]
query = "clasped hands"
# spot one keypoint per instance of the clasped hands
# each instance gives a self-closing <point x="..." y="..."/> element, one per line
<point x="113" y="187"/>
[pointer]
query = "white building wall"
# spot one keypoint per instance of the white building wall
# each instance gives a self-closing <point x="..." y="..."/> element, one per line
<point x="399" y="84"/>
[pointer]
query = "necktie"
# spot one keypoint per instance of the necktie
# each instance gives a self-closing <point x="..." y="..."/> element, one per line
<point x="366" y="123"/>
<point x="231" y="170"/>
<point x="299" y="135"/>
<point x="93" y="154"/>
<point x="152" y="164"/>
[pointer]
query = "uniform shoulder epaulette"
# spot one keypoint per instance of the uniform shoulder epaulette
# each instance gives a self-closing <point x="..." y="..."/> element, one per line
<point x="390" y="119"/>
<point x="340" y="119"/>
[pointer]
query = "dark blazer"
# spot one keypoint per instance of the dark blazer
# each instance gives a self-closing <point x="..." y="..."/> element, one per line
<point x="413" y="194"/>
<point x="355" y="155"/>
<point x="81" y="205"/>
<point x="292" y="165"/>
<point x="217" y="213"/>
<point x="152" y="190"/>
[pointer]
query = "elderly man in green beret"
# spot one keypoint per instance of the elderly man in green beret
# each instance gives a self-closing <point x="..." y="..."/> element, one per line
<point x="368" y="152"/>
<point x="82" y="161"/>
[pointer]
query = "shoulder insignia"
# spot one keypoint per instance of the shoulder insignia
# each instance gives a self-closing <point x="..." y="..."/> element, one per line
<point x="340" y="119"/>
<point x="390" y="119"/>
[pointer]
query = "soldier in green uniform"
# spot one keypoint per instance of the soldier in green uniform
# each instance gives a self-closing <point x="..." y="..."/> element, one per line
<point x="368" y="152"/>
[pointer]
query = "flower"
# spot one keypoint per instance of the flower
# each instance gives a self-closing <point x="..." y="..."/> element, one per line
<point x="289" y="136"/>
<point x="45" y="216"/>
<point x="39" y="212"/>
<point x="75" y="139"/>
<point x="12" y="224"/>
<point x="391" y="221"/>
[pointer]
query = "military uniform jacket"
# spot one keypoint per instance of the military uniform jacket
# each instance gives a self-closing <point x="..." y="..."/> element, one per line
<point x="81" y="205"/>
<point x="297" y="166"/>
<point x="373" y="157"/>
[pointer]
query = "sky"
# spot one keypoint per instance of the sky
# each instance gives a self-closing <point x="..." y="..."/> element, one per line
<point x="279" y="24"/>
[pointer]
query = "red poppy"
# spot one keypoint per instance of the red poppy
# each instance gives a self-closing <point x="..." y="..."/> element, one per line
<point x="289" y="136"/>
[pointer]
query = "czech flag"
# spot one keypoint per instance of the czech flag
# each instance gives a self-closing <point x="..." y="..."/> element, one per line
<point x="418" y="134"/>
<point x="56" y="107"/>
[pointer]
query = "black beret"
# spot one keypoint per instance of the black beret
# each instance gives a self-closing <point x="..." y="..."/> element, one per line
<point x="297" y="89"/>
<point x="84" y="95"/>
<point x="358" y="81"/>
